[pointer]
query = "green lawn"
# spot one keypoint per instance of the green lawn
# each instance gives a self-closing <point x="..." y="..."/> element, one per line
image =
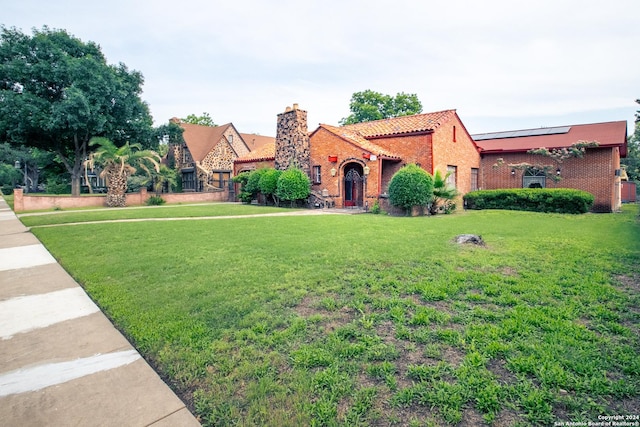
<point x="169" y="211"/>
<point x="375" y="320"/>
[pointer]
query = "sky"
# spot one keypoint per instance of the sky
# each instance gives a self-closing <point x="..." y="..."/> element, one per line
<point x="502" y="64"/>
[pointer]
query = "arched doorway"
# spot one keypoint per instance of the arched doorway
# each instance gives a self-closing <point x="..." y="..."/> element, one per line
<point x="353" y="185"/>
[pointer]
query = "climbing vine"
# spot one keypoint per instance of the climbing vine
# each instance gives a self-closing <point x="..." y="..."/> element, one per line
<point x="559" y="155"/>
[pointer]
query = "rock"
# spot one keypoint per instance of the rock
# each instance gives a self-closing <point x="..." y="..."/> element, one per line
<point x="470" y="238"/>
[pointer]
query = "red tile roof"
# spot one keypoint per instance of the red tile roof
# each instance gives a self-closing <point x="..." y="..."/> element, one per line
<point x="255" y="141"/>
<point x="402" y="125"/>
<point x="605" y="134"/>
<point x="265" y="152"/>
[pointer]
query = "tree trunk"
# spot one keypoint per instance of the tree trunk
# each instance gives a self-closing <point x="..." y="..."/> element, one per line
<point x="75" y="185"/>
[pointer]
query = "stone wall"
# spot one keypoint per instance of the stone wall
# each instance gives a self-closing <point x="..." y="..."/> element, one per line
<point x="292" y="140"/>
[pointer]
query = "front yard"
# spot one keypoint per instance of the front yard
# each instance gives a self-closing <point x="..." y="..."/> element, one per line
<point x="374" y="320"/>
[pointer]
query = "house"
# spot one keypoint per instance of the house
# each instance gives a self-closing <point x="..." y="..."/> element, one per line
<point x="351" y="166"/>
<point x="205" y="159"/>
<point x="507" y="161"/>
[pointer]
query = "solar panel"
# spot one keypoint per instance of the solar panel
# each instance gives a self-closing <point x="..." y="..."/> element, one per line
<point x="522" y="133"/>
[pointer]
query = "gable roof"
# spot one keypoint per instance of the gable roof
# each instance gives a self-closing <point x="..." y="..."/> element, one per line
<point x="608" y="134"/>
<point x="361" y="134"/>
<point x="263" y="153"/>
<point x="402" y="125"/>
<point x="201" y="139"/>
<point x="356" y="138"/>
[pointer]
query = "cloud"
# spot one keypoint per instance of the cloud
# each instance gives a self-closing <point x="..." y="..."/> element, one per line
<point x="244" y="61"/>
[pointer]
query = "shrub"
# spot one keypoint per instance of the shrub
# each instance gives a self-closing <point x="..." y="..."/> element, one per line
<point x="293" y="184"/>
<point x="410" y="186"/>
<point x="7" y="189"/>
<point x="269" y="184"/>
<point x="376" y="209"/>
<point x="155" y="201"/>
<point x="242" y="179"/>
<point x="560" y="200"/>
<point x="57" y="185"/>
<point x="252" y="186"/>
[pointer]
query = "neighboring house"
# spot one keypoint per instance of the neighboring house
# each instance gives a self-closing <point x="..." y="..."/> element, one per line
<point x="351" y="166"/>
<point x="205" y="159"/>
<point x="506" y="162"/>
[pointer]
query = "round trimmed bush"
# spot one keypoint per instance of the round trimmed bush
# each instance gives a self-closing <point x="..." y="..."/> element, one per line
<point x="410" y="186"/>
<point x="293" y="184"/>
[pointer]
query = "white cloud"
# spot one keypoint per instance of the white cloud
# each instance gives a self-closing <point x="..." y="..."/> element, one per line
<point x="244" y="61"/>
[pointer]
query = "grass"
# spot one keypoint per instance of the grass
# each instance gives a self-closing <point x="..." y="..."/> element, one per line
<point x="375" y="320"/>
<point x="40" y="218"/>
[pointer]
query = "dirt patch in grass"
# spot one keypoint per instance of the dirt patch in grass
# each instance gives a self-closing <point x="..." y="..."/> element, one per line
<point x="506" y="418"/>
<point x="629" y="405"/>
<point x="499" y="369"/>
<point x="471" y="418"/>
<point x="630" y="283"/>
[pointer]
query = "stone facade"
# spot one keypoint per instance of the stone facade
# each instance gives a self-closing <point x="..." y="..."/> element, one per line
<point x="292" y="140"/>
<point x="206" y="158"/>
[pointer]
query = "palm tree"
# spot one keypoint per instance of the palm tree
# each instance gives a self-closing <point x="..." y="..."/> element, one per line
<point x="118" y="163"/>
<point x="160" y="177"/>
<point x="441" y="192"/>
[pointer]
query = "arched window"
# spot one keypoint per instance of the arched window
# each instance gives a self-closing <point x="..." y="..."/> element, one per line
<point x="534" y="178"/>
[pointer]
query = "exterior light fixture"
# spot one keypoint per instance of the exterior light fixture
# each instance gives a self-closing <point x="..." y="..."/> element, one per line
<point x="333" y="171"/>
<point x="558" y="171"/>
<point x="513" y="172"/>
<point x="366" y="170"/>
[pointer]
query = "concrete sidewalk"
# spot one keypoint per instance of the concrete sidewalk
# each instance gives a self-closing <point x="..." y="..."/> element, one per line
<point x="62" y="362"/>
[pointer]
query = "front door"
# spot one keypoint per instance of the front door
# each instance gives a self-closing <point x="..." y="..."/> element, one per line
<point x="353" y="185"/>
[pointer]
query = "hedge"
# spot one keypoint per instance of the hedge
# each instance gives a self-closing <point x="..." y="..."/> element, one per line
<point x="560" y="200"/>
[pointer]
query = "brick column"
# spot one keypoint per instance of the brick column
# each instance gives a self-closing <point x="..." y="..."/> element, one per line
<point x="18" y="200"/>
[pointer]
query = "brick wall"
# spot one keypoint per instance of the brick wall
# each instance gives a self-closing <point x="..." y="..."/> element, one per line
<point x="292" y="139"/>
<point x="324" y="144"/>
<point x="428" y="150"/>
<point x="453" y="146"/>
<point x="46" y="202"/>
<point x="594" y="173"/>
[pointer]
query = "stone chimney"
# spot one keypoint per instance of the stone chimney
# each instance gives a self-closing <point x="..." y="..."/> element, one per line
<point x="292" y="140"/>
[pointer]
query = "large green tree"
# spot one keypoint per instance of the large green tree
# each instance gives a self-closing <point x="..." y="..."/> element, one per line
<point x="632" y="161"/>
<point x="203" y="120"/>
<point x="369" y="105"/>
<point x="57" y="92"/>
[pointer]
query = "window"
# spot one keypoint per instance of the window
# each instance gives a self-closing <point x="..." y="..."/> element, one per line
<point x="474" y="179"/>
<point x="454" y="134"/>
<point x="186" y="155"/>
<point x="189" y="181"/>
<point x="219" y="179"/>
<point x="230" y="139"/>
<point x="317" y="175"/>
<point x="534" y="178"/>
<point x="452" y="172"/>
